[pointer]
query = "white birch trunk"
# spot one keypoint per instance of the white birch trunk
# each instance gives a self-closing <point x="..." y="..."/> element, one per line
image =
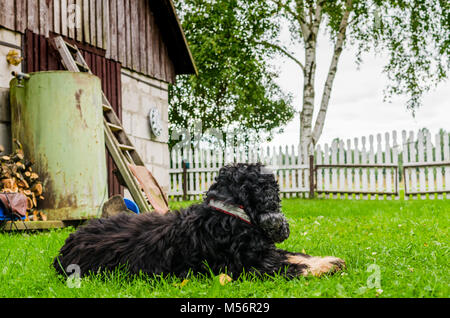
<point x="306" y="114"/>
<point x="320" y="120"/>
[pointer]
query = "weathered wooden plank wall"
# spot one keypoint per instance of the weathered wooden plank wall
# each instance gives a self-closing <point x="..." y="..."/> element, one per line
<point x="125" y="29"/>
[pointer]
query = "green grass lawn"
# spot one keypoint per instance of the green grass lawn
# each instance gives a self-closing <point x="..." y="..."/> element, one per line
<point x="392" y="249"/>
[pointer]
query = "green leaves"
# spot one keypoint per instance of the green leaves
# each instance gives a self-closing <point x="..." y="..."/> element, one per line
<point x="416" y="36"/>
<point x="235" y="86"/>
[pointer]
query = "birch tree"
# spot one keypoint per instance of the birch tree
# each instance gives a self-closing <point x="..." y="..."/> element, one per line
<point x="415" y="33"/>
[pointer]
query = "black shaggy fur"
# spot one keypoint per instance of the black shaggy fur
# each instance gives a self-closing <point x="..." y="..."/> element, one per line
<point x="185" y="241"/>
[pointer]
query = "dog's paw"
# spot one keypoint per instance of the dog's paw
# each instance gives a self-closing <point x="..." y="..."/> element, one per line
<point x="318" y="266"/>
<point x="325" y="265"/>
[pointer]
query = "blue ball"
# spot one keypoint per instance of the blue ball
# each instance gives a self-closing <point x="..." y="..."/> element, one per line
<point x="131" y="205"/>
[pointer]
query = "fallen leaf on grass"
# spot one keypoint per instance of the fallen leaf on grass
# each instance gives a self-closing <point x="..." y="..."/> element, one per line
<point x="182" y="284"/>
<point x="224" y="279"/>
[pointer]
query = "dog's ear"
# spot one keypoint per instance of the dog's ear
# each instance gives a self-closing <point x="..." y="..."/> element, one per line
<point x="269" y="216"/>
<point x="263" y="196"/>
<point x="233" y="184"/>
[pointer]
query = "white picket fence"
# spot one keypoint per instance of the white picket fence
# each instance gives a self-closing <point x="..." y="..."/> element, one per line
<point x="368" y="167"/>
<point x="288" y="164"/>
<point x="426" y="167"/>
<point x="377" y="167"/>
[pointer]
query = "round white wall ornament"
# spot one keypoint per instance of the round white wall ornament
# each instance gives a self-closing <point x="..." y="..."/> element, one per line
<point x="155" y="121"/>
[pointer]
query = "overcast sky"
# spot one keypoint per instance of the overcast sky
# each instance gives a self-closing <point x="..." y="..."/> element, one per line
<point x="356" y="105"/>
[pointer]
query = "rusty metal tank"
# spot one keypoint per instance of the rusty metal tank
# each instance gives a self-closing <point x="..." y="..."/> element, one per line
<point x="57" y="117"/>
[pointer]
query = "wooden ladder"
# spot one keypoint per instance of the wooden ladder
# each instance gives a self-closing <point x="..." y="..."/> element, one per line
<point x="119" y="145"/>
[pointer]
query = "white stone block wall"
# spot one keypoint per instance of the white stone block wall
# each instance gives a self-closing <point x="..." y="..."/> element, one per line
<point x="12" y="38"/>
<point x="139" y="94"/>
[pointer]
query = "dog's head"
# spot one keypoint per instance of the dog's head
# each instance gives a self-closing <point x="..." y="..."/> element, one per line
<point x="254" y="187"/>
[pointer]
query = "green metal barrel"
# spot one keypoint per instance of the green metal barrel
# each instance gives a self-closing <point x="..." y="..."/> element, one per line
<point x="57" y="117"/>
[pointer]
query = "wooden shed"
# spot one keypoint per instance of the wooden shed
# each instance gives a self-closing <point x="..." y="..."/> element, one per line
<point x="136" y="47"/>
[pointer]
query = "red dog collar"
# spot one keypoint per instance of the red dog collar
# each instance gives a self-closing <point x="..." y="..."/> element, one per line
<point x="236" y="211"/>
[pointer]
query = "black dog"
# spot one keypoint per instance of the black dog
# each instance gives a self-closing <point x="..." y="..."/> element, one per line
<point x="234" y="230"/>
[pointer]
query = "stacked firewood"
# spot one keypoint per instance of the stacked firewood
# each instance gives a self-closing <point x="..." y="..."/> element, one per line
<point x="17" y="176"/>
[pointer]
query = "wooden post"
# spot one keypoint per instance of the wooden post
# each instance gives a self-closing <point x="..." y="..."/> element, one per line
<point x="184" y="166"/>
<point x="311" y="176"/>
